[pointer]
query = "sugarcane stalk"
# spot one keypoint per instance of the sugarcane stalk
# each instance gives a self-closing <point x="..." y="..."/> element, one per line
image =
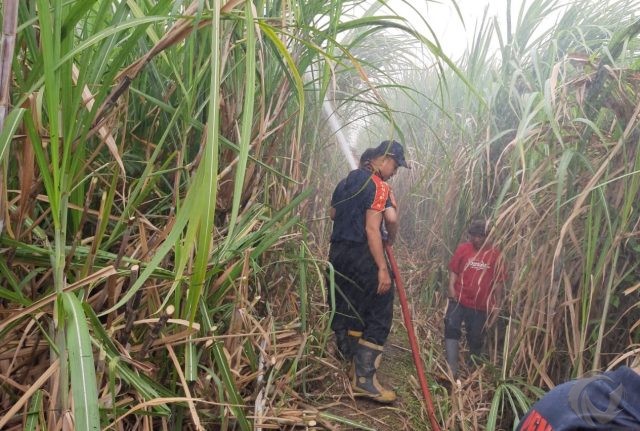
<point x="112" y="289"/>
<point x="155" y="331"/>
<point x="7" y="45"/>
<point x="131" y="308"/>
<point x="83" y="220"/>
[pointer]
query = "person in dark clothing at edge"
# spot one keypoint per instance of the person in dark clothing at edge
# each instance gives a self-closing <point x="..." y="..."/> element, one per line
<point x="388" y="215"/>
<point x="476" y="280"/>
<point x="364" y="298"/>
<point x="607" y="401"/>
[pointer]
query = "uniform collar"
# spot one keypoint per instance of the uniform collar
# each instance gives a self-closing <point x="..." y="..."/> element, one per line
<point x="370" y="169"/>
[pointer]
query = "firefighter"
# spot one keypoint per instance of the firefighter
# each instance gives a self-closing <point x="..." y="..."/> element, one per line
<point x="607" y="401"/>
<point x="364" y="295"/>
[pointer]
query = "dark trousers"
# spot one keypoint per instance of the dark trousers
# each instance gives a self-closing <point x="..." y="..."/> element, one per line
<point x="357" y="304"/>
<point x="474" y="322"/>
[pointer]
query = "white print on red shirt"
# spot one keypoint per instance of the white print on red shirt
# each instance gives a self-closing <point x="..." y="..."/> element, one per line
<point x="478" y="264"/>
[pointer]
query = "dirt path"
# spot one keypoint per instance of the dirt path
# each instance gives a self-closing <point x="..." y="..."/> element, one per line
<point x="397" y="371"/>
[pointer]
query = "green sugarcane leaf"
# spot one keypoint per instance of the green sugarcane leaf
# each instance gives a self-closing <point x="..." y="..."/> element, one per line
<point x="148" y="388"/>
<point x="247" y="118"/>
<point x="11" y="123"/>
<point x="206" y="186"/>
<point x="496" y="402"/>
<point x="83" y="375"/>
<point x="346" y="421"/>
<point x="34" y="412"/>
<point x="230" y="387"/>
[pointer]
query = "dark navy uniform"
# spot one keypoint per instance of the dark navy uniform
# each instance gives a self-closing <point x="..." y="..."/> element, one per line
<point x="608" y="401"/>
<point x="358" y="306"/>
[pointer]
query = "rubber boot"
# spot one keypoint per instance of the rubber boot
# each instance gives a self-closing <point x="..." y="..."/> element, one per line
<point x="354" y="338"/>
<point x="347" y="342"/>
<point x="365" y="382"/>
<point x="452" y="348"/>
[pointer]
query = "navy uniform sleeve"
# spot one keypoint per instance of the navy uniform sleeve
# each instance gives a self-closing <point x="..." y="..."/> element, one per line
<point x="360" y="187"/>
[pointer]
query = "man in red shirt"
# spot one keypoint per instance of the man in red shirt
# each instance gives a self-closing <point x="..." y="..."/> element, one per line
<point x="476" y="279"/>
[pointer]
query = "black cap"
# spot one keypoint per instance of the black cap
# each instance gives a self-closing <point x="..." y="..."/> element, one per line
<point x="367" y="156"/>
<point x="394" y="150"/>
<point x="478" y="228"/>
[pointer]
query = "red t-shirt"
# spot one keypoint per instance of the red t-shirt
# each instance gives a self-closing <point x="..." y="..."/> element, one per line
<point x="477" y="272"/>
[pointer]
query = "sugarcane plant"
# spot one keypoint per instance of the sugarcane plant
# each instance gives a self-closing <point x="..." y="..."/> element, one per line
<point x="545" y="148"/>
<point x="152" y="186"/>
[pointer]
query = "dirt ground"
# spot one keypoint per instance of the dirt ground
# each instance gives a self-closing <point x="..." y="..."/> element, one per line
<point x="396" y="371"/>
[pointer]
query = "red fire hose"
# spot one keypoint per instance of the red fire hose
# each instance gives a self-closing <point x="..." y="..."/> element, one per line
<point x="406" y="315"/>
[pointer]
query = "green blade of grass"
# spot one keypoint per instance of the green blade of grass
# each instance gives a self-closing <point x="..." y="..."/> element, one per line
<point x="206" y="183"/>
<point x="11" y="124"/>
<point x="226" y="376"/>
<point x="83" y="376"/>
<point x="496" y="404"/>
<point x="35" y="412"/>
<point x="247" y="116"/>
